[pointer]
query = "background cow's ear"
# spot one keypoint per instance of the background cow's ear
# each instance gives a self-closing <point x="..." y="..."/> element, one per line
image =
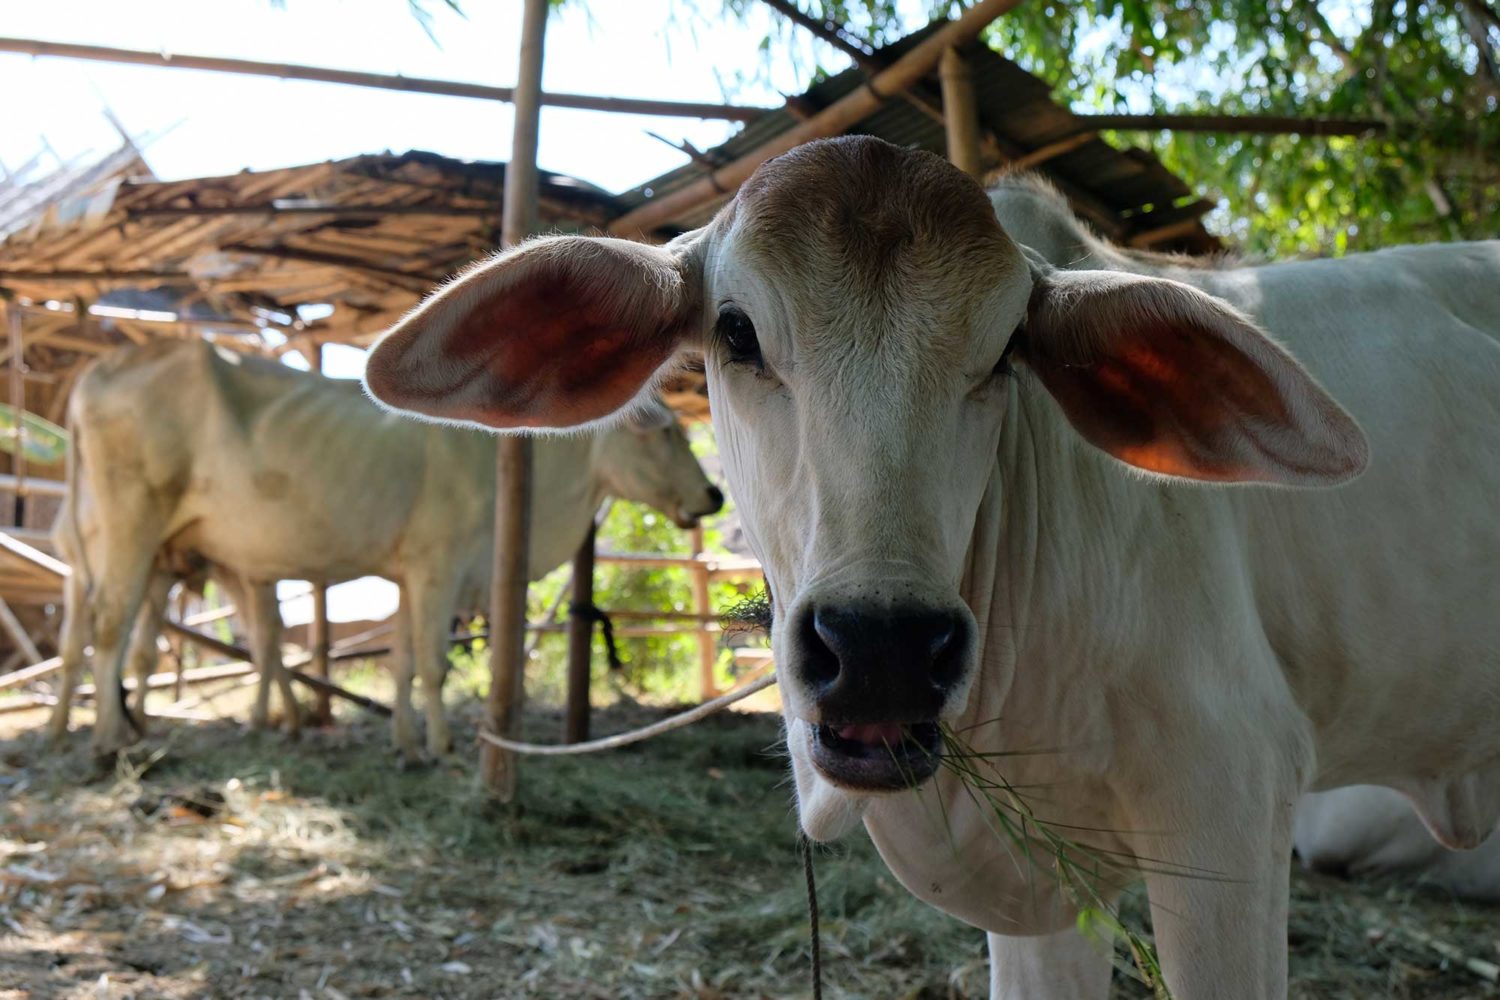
<point x="1171" y="380"/>
<point x="559" y="332"/>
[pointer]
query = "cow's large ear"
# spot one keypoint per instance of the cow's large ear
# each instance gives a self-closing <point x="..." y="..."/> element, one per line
<point x="558" y="332"/>
<point x="1171" y="380"/>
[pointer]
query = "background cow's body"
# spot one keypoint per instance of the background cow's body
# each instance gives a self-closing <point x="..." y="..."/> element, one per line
<point x="1369" y="831"/>
<point x="277" y="474"/>
<point x="1161" y="667"/>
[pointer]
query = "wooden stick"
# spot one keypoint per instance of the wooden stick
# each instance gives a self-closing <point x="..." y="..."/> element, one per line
<point x="18" y="412"/>
<point x="580" y="643"/>
<point x="17" y="633"/>
<point x="408" y="84"/>
<point x="513" y="452"/>
<point x="417" y="282"/>
<point x="832" y="120"/>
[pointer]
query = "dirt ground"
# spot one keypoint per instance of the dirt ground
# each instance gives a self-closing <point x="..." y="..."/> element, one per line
<point x="225" y="863"/>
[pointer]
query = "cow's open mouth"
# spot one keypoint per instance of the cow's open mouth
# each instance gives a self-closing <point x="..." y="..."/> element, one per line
<point x="877" y="756"/>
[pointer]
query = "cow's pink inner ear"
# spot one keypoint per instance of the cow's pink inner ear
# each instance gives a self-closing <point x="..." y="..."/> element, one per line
<point x="1193" y="392"/>
<point x="559" y="350"/>
<point x="560" y="332"/>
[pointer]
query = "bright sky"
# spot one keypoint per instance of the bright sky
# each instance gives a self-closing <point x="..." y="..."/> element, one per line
<point x="210" y="123"/>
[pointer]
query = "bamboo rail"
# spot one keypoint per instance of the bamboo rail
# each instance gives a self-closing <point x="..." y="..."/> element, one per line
<point x="379" y="81"/>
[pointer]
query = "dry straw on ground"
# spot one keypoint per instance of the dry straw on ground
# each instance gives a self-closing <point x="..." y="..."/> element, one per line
<point x="234" y="864"/>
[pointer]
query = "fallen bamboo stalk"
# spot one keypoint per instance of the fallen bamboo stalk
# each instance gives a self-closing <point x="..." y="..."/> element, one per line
<point x="289" y="664"/>
<point x="198" y="675"/>
<point x="836" y="118"/>
<point x="32" y="555"/>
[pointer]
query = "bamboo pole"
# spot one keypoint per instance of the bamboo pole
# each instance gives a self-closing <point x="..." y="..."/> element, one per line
<point x="708" y="646"/>
<point x="18" y="413"/>
<point x="960" y="113"/>
<point x="407" y="84"/>
<point x="580" y="642"/>
<point x="318" y="644"/>
<point x="513" y="452"/>
<point x="832" y="120"/>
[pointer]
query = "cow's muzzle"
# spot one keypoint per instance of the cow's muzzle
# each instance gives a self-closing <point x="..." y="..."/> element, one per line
<point x="688" y="519"/>
<point x="879" y="679"/>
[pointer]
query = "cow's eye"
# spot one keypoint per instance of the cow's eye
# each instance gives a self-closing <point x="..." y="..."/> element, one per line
<point x="737" y="334"/>
<point x="1003" y="366"/>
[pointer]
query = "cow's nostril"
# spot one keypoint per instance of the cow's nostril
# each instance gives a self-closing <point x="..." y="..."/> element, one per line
<point x="821" y="657"/>
<point x="715" y="499"/>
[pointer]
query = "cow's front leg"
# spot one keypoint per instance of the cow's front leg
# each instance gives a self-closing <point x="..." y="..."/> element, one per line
<point x="1064" y="966"/>
<point x="432" y="603"/>
<point x="1220" y="917"/>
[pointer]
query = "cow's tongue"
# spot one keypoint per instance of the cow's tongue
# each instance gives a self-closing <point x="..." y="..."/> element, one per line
<point x="873" y="733"/>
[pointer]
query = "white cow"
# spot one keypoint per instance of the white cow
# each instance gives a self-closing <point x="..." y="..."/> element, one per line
<point x="185" y="450"/>
<point x="1366" y="831"/>
<point x="995" y="495"/>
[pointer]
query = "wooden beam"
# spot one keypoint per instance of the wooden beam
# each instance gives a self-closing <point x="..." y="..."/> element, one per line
<point x="30" y="673"/>
<point x="580" y="642"/>
<point x="311" y="208"/>
<point x="513" y="452"/>
<point x="407" y="84"/>
<point x="960" y="113"/>
<point x="832" y="120"/>
<point x="42" y="275"/>
<point x="1259" y="124"/>
<point x="417" y="282"/>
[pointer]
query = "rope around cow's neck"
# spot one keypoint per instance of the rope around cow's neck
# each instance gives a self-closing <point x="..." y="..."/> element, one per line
<point x="666" y="725"/>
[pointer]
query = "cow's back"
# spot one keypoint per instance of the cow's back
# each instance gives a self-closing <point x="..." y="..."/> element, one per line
<point x="1379" y="598"/>
<point x="277" y="473"/>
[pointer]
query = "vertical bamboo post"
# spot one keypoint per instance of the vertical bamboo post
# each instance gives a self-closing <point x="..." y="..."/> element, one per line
<point x="960" y="113"/>
<point x="319" y="637"/>
<point x="708" y="646"/>
<point x="580" y="641"/>
<point x="18" y="410"/>
<point x="513" y="453"/>
<point x="319" y="642"/>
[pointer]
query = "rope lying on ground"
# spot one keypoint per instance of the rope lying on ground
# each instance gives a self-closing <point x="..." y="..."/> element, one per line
<point x="677" y="721"/>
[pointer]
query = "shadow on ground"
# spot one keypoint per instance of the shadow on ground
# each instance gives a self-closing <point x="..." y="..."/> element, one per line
<point x="221" y="863"/>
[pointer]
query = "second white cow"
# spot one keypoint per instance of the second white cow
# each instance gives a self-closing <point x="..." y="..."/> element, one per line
<point x="185" y="450"/>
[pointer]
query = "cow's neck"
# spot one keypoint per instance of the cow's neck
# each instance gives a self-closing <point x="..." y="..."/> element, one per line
<point x="1056" y="566"/>
<point x="566" y="490"/>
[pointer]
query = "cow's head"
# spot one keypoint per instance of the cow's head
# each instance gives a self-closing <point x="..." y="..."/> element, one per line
<point x="859" y="309"/>
<point x="647" y="458"/>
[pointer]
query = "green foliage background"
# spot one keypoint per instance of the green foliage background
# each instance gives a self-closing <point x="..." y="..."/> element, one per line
<point x="1430" y="68"/>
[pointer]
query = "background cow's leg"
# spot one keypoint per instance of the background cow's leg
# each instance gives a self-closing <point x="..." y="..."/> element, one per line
<point x="403" y="725"/>
<point x="75" y="630"/>
<point x="116" y="600"/>
<point x="263" y="620"/>
<point x="143" y="656"/>
<point x="432" y="603"/>
<point x="1064" y="966"/>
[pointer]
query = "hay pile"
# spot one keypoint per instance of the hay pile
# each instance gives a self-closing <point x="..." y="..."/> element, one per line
<point x="232" y="864"/>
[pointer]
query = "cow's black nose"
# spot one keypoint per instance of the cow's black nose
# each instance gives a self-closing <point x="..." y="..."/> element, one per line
<point x="879" y="664"/>
<point x="716" y="498"/>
